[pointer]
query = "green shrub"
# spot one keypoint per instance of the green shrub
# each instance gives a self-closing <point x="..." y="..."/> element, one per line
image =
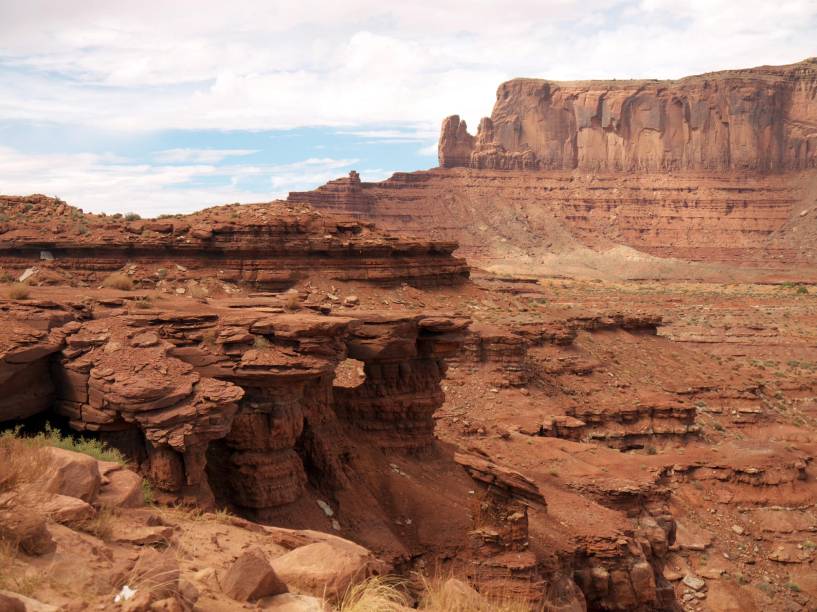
<point x="51" y="436"/>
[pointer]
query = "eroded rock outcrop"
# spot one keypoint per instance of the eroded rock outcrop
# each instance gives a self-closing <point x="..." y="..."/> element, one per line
<point x="244" y="390"/>
<point x="759" y="119"/>
<point x="269" y="246"/>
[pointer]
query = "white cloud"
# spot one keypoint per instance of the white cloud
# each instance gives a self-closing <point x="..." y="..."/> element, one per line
<point x="253" y="64"/>
<point x="392" y="136"/>
<point x="200" y="156"/>
<point x="429" y="151"/>
<point x="382" y="72"/>
<point x="103" y="183"/>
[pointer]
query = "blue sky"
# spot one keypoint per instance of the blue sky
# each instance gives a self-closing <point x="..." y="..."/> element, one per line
<point x="161" y="107"/>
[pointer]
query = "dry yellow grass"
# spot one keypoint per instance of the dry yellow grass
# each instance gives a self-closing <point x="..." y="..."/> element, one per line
<point x="388" y="594"/>
<point x="20" y="463"/>
<point x="118" y="280"/>
<point x="377" y="594"/>
<point x="19" y="291"/>
<point x="101" y="525"/>
<point x="291" y="299"/>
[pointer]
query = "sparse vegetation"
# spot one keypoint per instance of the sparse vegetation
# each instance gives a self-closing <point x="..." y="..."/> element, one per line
<point x="19" y="291"/>
<point x="51" y="436"/>
<point x="132" y="216"/>
<point x="101" y="525"/>
<point x="260" y="342"/>
<point x="381" y="593"/>
<point x="147" y="492"/>
<point x="118" y="280"/>
<point x="20" y="462"/>
<point x="292" y="300"/>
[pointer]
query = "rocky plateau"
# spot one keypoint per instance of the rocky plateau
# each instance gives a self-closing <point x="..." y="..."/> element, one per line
<point x="590" y="385"/>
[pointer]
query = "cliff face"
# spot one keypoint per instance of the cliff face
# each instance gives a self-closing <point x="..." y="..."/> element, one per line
<point x="757" y="119"/>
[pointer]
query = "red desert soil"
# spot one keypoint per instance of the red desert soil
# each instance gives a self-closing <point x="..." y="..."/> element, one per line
<point x="308" y="393"/>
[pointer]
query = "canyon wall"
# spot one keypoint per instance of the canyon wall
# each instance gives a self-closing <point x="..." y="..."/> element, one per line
<point x="756" y="119"/>
<point x="561" y="222"/>
<point x="612" y="178"/>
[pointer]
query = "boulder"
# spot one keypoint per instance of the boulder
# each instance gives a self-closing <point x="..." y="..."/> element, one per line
<point x="689" y="536"/>
<point x="23" y="526"/>
<point x="326" y="568"/>
<point x="141" y="535"/>
<point x="72" y="474"/>
<point x="67" y="510"/>
<point x="251" y="577"/>
<point x="121" y="488"/>
<point x="14" y="602"/>
<point x="694" y="582"/>
<point x="11" y="603"/>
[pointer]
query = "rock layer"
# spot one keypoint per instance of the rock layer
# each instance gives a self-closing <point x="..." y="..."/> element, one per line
<point x="268" y="246"/>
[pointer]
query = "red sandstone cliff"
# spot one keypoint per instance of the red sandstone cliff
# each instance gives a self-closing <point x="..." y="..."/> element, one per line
<point x="571" y="177"/>
<point x="756" y="119"/>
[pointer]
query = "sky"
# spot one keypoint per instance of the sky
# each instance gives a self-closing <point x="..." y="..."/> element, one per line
<point x="159" y="107"/>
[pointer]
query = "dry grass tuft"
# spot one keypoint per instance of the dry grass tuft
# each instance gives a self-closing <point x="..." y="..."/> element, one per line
<point x="379" y="593"/>
<point x="100" y="525"/>
<point x="19" y="291"/>
<point x="118" y="280"/>
<point x="292" y="300"/>
<point x="20" y="462"/>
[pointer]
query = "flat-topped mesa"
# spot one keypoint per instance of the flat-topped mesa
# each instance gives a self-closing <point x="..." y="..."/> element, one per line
<point x="755" y="119"/>
<point x="269" y="246"/>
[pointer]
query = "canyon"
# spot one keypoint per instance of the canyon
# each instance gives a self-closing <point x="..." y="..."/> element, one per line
<point x="572" y="367"/>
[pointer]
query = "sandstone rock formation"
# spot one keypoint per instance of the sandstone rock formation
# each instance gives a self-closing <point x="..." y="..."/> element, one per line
<point x="618" y="178"/>
<point x="761" y="119"/>
<point x="268" y="246"/>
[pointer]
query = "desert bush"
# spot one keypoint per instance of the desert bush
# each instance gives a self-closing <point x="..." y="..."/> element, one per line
<point x="147" y="492"/>
<point x="101" y="524"/>
<point x="292" y="300"/>
<point x="19" y="291"/>
<point x="260" y="342"/>
<point x="87" y="446"/>
<point x="132" y="216"/>
<point x="118" y="280"/>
